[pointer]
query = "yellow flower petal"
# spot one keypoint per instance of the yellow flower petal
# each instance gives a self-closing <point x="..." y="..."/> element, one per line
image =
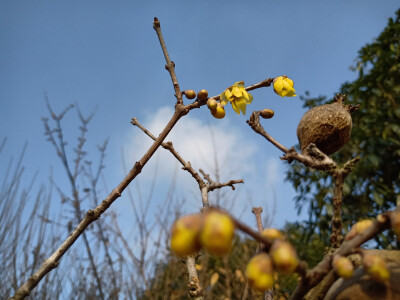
<point x="228" y="95"/>
<point x="235" y="107"/>
<point x="236" y="91"/>
<point x="250" y="98"/>
<point x="223" y="99"/>
<point x="242" y="105"/>
<point x="278" y="85"/>
<point x="239" y="84"/>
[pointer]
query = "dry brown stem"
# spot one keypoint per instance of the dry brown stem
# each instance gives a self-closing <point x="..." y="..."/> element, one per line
<point x="314" y="276"/>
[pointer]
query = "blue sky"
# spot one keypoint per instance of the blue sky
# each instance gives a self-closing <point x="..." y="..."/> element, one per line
<point x="105" y="56"/>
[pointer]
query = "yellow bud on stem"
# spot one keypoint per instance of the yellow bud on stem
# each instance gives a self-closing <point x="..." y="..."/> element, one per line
<point x="343" y="266"/>
<point x="190" y="94"/>
<point x="202" y="95"/>
<point x="260" y="273"/>
<point x="284" y="256"/>
<point x="217" y="233"/>
<point x="185" y="235"/>
<point x="218" y="112"/>
<point x="376" y="267"/>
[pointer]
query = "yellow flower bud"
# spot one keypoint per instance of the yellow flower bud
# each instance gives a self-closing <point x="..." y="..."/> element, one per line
<point x="190" y="94"/>
<point x="259" y="272"/>
<point x="343" y="266"/>
<point x="212" y="104"/>
<point x="272" y="234"/>
<point x="376" y="267"/>
<point x="217" y="233"/>
<point x="185" y="235"/>
<point x="284" y="256"/>
<point x="267" y="113"/>
<point x="358" y="228"/>
<point x="202" y="95"/>
<point x="283" y="86"/>
<point x="219" y="111"/>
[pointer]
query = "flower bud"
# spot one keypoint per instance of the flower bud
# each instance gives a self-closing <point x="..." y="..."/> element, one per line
<point x="358" y="228"/>
<point x="190" y="94"/>
<point x="202" y="95"/>
<point x="376" y="267"/>
<point x="284" y="256"/>
<point x="219" y="111"/>
<point x="343" y="266"/>
<point x="267" y="113"/>
<point x="272" y="234"/>
<point x="259" y="272"/>
<point x="212" y="104"/>
<point x="185" y="235"/>
<point x="217" y="233"/>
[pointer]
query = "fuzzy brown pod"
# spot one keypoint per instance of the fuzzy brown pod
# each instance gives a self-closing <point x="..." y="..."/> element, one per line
<point x="328" y="126"/>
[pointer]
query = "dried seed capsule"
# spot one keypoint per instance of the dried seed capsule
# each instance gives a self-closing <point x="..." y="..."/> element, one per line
<point x="328" y="126"/>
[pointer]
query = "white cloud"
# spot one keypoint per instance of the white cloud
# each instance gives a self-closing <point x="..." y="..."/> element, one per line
<point x="196" y="141"/>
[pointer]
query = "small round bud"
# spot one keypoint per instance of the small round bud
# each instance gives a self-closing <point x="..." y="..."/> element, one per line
<point x="358" y="228"/>
<point x="219" y="111"/>
<point x="217" y="233"/>
<point x="284" y="256"/>
<point x="185" y="235"/>
<point x="267" y="113"/>
<point x="190" y="94"/>
<point x="272" y="234"/>
<point x="212" y="104"/>
<point x="376" y="267"/>
<point x="260" y="273"/>
<point x="202" y="95"/>
<point x="343" y="266"/>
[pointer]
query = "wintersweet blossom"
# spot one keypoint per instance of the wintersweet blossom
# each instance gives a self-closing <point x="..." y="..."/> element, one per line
<point x="237" y="96"/>
<point x="283" y="86"/>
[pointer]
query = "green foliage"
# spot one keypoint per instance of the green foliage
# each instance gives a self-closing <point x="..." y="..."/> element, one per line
<point x="374" y="185"/>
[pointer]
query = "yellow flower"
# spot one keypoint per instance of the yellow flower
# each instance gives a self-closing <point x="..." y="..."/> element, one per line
<point x="237" y="96"/>
<point x="283" y="86"/>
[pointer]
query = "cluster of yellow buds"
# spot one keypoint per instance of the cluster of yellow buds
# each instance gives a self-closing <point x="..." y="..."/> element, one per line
<point x="281" y="257"/>
<point x="212" y="230"/>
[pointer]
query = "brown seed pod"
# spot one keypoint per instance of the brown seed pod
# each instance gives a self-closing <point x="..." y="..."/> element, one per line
<point x="328" y="126"/>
